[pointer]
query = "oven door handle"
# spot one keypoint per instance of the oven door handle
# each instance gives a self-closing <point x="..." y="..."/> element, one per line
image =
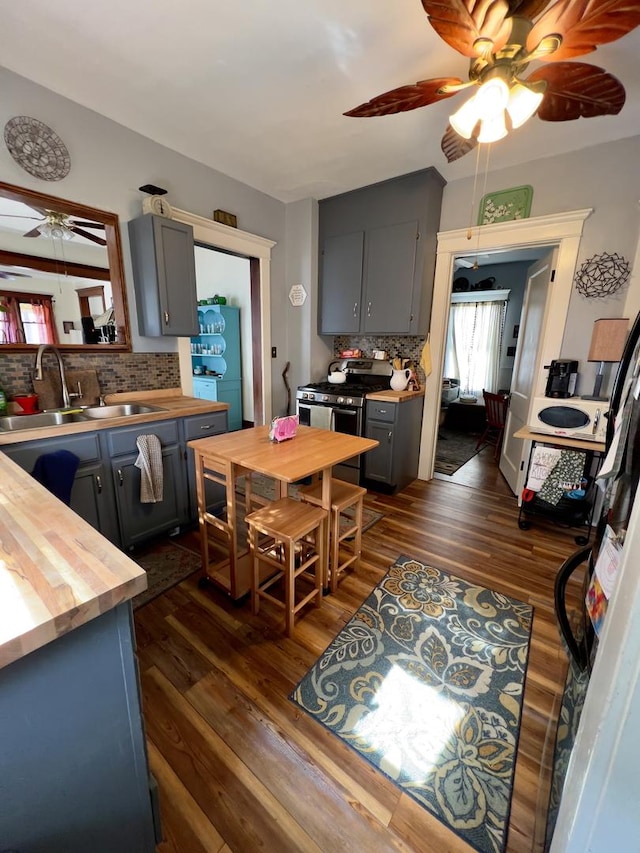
<point x="345" y="412"/>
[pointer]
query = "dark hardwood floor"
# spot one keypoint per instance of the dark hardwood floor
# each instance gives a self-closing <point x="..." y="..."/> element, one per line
<point x="240" y="768"/>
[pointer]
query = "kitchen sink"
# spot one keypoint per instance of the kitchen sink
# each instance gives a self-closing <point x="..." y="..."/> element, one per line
<point x="11" y="423"/>
<point x="122" y="410"/>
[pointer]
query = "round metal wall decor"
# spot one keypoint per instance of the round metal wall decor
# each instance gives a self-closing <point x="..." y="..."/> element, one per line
<point x="602" y="275"/>
<point x="36" y="148"/>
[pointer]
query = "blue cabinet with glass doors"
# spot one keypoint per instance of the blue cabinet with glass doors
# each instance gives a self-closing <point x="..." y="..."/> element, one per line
<point x="215" y="359"/>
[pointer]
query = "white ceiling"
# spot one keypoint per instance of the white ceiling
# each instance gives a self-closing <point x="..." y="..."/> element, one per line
<point x="256" y="89"/>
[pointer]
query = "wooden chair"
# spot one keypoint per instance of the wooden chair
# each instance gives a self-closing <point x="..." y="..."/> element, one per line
<point x="495" y="406"/>
<point x="343" y="496"/>
<point x="287" y="539"/>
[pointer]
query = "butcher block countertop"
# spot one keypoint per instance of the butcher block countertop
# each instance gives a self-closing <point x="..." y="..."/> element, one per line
<point x="56" y="571"/>
<point x="172" y="400"/>
<point x="394" y="396"/>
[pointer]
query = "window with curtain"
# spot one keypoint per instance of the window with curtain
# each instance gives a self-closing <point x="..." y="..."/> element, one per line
<point x="26" y="318"/>
<point x="474" y="344"/>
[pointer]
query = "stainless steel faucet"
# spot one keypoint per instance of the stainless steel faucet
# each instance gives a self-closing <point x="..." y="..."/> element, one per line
<point x="66" y="399"/>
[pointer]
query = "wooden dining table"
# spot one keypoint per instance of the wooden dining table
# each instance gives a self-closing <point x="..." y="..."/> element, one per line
<point x="223" y="458"/>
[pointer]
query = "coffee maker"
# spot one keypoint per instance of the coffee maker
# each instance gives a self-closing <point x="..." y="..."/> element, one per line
<point x="561" y="381"/>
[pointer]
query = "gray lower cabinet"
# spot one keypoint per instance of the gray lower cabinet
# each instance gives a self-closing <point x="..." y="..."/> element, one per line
<point x="164" y="275"/>
<point x="202" y="426"/>
<point x="92" y="495"/>
<point x="137" y="520"/>
<point x="397" y="426"/>
<point x="74" y="766"/>
<point x="106" y="489"/>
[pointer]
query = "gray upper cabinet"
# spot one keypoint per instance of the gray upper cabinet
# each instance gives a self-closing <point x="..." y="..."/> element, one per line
<point x="342" y="283"/>
<point x="377" y="256"/>
<point x="162" y="254"/>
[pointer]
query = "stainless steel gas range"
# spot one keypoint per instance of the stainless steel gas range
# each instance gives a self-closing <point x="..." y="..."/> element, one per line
<point x="341" y="407"/>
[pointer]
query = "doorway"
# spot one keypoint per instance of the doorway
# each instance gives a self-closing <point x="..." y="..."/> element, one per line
<point x="258" y="251"/>
<point x="561" y="230"/>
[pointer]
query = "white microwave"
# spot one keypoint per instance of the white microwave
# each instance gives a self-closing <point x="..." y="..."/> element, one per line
<point x="571" y="417"/>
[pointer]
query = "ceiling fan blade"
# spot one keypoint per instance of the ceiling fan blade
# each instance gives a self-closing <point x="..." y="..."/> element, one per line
<point x="584" y="24"/>
<point x="527" y="8"/>
<point x="13" y="216"/>
<point x="11" y="275"/>
<point x="82" y="224"/>
<point x="34" y="233"/>
<point x="405" y="98"/>
<point x="455" y="146"/>
<point x="460" y="23"/>
<point x="99" y="240"/>
<point x="577" y="90"/>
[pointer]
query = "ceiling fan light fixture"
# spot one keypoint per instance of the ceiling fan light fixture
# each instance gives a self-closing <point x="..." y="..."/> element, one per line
<point x="524" y="100"/>
<point x="56" y="231"/>
<point x="493" y="129"/>
<point x="464" y="120"/>
<point x="486" y="106"/>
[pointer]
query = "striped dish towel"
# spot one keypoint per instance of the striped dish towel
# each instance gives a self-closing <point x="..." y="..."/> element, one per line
<point x="149" y="462"/>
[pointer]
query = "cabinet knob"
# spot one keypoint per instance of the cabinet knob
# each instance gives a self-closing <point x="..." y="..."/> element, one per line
<point x="99" y="483"/>
<point x="166" y="317"/>
<point x="389" y="437"/>
<point x="355" y="309"/>
<point x="120" y="477"/>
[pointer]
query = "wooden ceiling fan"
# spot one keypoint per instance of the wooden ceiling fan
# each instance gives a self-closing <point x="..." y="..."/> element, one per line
<point x="501" y="38"/>
<point x="54" y="224"/>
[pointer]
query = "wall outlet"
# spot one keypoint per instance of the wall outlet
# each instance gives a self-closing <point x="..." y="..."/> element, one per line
<point x="274" y="352"/>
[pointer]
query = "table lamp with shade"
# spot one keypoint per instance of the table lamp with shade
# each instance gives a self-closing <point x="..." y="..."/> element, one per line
<point x="607" y="345"/>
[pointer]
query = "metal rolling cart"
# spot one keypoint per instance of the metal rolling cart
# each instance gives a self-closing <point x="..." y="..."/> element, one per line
<point x="568" y="512"/>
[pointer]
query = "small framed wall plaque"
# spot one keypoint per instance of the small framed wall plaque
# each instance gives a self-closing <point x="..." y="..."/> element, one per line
<point x="225" y="218"/>
<point x="505" y="205"/>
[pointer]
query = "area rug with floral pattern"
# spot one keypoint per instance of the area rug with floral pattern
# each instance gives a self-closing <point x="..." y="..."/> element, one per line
<point x="426" y="682"/>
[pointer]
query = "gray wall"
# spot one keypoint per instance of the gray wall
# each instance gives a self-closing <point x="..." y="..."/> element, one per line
<point x="606" y="178"/>
<point x="109" y="162"/>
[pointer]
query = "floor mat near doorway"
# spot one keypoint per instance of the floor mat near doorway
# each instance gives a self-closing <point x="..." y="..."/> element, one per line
<point x="454" y="449"/>
<point x="426" y="683"/>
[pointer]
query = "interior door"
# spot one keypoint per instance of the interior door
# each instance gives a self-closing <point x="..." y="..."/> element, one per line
<point x="525" y="371"/>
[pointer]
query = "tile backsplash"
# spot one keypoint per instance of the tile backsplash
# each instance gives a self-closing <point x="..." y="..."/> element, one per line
<point x="403" y="346"/>
<point x="129" y="371"/>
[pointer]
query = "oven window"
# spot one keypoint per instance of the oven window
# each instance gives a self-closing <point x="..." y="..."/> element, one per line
<point x="346" y="421"/>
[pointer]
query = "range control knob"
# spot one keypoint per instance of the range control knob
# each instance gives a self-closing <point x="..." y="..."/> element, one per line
<point x="340" y="399"/>
<point x="325" y="398"/>
<point x="311" y="396"/>
<point x="349" y="401"/>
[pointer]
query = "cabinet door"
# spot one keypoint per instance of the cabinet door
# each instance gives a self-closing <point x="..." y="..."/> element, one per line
<point x="92" y="499"/>
<point x="201" y="426"/>
<point x="139" y="521"/>
<point x="341" y="284"/>
<point x="231" y="393"/>
<point x="162" y="253"/>
<point x="389" y="276"/>
<point x="378" y="462"/>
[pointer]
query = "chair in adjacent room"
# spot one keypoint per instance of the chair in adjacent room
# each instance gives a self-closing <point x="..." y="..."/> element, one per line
<point x="495" y="406"/>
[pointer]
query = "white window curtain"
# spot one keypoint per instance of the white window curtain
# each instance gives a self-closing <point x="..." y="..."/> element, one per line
<point x="474" y="345"/>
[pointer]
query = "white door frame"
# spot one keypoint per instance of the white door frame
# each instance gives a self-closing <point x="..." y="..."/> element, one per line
<point x="251" y="246"/>
<point x="563" y="230"/>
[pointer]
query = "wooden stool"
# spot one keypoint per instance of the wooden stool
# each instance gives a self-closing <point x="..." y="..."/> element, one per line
<point x="343" y="496"/>
<point x="294" y="542"/>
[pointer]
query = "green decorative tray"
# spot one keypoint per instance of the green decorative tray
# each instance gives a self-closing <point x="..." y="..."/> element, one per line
<point x="505" y="205"/>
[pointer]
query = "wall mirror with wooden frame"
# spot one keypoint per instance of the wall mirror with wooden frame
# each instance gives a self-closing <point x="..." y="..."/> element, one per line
<point x="61" y="275"/>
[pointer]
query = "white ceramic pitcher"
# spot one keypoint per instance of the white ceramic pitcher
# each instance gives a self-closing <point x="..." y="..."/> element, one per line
<point x="400" y="379"/>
